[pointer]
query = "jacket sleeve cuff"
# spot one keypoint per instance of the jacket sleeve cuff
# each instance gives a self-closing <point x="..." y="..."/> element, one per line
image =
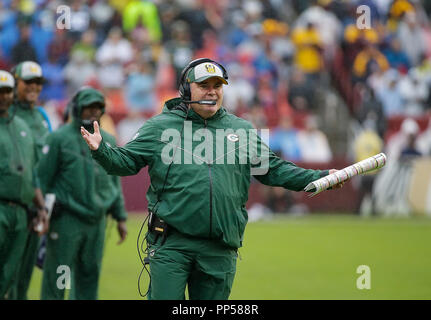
<point x="324" y="173"/>
<point x="97" y="154"/>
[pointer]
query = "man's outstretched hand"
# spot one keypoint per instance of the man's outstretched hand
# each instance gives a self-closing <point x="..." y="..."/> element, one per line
<point x="93" y="139"/>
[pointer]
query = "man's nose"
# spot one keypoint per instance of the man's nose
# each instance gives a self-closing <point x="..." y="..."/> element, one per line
<point x="211" y="90"/>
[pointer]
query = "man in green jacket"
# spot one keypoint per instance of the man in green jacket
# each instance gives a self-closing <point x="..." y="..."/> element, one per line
<point x="17" y="186"/>
<point x="85" y="194"/>
<point x="29" y="83"/>
<point x="201" y="159"/>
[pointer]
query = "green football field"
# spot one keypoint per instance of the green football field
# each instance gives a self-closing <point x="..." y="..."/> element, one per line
<point x="310" y="257"/>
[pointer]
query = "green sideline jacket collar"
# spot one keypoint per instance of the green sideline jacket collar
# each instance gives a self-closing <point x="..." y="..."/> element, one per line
<point x="170" y="107"/>
<point x="22" y="104"/>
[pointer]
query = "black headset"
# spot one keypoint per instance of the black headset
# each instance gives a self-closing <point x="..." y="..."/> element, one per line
<point x="184" y="86"/>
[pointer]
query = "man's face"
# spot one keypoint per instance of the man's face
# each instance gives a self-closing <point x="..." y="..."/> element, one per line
<point x="6" y="98"/>
<point x="209" y="89"/>
<point x="29" y="90"/>
<point x="92" y="112"/>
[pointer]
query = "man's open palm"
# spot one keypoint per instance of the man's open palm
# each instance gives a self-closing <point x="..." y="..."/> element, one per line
<point x="93" y="139"/>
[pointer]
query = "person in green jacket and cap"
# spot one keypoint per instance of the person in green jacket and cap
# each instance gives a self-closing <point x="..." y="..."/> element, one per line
<point x="85" y="194"/>
<point x="18" y="187"/>
<point x="200" y="160"/>
<point x="29" y="83"/>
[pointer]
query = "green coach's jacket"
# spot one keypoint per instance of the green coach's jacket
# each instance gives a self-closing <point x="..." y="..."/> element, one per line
<point x="34" y="119"/>
<point x="17" y="160"/>
<point x="81" y="185"/>
<point x="206" y="189"/>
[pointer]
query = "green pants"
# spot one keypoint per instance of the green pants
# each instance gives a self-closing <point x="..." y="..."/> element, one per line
<point x="13" y="234"/>
<point x="73" y="256"/>
<point x="22" y="279"/>
<point x="205" y="266"/>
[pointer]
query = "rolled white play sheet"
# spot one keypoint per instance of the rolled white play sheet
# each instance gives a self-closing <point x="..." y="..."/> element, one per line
<point x="370" y="164"/>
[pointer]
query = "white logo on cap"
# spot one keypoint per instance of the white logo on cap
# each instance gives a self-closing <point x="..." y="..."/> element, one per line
<point x="210" y="68"/>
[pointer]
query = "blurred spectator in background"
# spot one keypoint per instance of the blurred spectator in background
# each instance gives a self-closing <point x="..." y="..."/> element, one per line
<point x="354" y="41"/>
<point x="237" y="33"/>
<point x="423" y="71"/>
<point x="23" y="50"/>
<point x="389" y="95"/>
<point x="403" y="139"/>
<point x="284" y="142"/>
<point x="79" y="19"/>
<point x="129" y="126"/>
<point x="423" y="142"/>
<point x="256" y="115"/>
<point x="366" y="144"/>
<point x="414" y="92"/>
<point x="313" y="143"/>
<point x="301" y="91"/>
<point x="55" y="86"/>
<point x="411" y="37"/>
<point x="168" y="11"/>
<point x="368" y="60"/>
<point x="141" y="13"/>
<point x="396" y="56"/>
<point x="398" y="9"/>
<point x="196" y="17"/>
<point x="279" y="45"/>
<point x="325" y="23"/>
<point x="410" y="150"/>
<point x="102" y="16"/>
<point x="78" y="72"/>
<point x="111" y="57"/>
<point x="239" y="94"/>
<point x="179" y="50"/>
<point x="308" y="56"/>
<point x="42" y="33"/>
<point x="87" y="44"/>
<point x="59" y="48"/>
<point x="371" y="108"/>
<point x="139" y="88"/>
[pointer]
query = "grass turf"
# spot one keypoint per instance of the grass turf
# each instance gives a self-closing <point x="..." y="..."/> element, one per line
<point x="311" y="257"/>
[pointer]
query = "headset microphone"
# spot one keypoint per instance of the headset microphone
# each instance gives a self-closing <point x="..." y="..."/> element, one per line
<point x="206" y="102"/>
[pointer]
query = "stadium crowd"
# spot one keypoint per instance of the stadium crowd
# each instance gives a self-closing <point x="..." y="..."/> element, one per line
<point x="277" y="53"/>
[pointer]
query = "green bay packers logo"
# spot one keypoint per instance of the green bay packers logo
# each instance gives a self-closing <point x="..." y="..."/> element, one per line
<point x="210" y="68"/>
<point x="233" y="137"/>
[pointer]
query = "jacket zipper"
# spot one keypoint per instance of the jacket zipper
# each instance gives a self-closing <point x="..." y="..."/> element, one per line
<point x="211" y="191"/>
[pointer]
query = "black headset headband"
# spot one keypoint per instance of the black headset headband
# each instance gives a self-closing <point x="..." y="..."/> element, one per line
<point x="184" y="86"/>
